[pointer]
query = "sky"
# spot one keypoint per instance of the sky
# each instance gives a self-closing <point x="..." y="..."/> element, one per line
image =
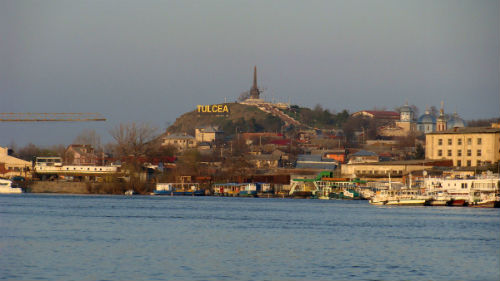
<point x="151" y="61"/>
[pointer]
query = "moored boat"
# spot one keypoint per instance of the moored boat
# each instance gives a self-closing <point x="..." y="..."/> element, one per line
<point x="6" y="187"/>
<point x="178" y="189"/>
<point x="457" y="203"/>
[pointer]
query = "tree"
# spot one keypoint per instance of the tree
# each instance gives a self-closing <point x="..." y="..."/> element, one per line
<point x="89" y="137"/>
<point x="132" y="139"/>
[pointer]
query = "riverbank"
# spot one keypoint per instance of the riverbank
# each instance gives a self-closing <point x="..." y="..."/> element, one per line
<point x="66" y="187"/>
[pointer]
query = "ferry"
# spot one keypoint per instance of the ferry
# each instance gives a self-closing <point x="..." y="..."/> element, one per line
<point x="6" y="187"/>
<point x="399" y="197"/>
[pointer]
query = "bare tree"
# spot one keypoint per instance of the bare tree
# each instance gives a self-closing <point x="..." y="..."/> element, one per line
<point x="132" y="139"/>
<point x="89" y="137"/>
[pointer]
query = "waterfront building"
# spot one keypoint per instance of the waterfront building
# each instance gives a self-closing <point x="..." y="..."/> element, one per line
<point x="11" y="166"/>
<point x="466" y="147"/>
<point x="396" y="169"/>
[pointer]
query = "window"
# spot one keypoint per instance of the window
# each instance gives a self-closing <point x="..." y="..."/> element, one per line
<point x="469" y="163"/>
<point x="469" y="141"/>
<point x="440" y="141"/>
<point x="459" y="152"/>
<point x="464" y="185"/>
<point x="440" y="152"/>
<point x="449" y="142"/>
<point x="478" y="163"/>
<point x="479" y="141"/>
<point x="479" y="152"/>
<point x="459" y="163"/>
<point x="459" y="141"/>
<point x="449" y="152"/>
<point x="469" y="152"/>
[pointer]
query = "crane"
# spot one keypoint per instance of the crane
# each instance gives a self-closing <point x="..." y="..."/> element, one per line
<point x="50" y="117"/>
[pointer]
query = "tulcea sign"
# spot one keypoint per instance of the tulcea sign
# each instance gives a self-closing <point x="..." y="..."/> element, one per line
<point x="213" y="109"/>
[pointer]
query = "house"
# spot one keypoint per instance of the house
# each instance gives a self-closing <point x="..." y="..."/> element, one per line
<point x="180" y="141"/>
<point x="265" y="161"/>
<point x="363" y="156"/>
<point x="316" y="162"/>
<point x="339" y="155"/>
<point x="208" y="134"/>
<point x="80" y="154"/>
<point x="381" y="115"/>
<point x="11" y="166"/>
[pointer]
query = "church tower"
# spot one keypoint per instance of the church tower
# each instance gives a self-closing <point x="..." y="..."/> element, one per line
<point x="254" y="91"/>
<point x="441" y="120"/>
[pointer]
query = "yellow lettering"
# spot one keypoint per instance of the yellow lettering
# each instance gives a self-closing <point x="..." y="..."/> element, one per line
<point x="199" y="108"/>
<point x="225" y="109"/>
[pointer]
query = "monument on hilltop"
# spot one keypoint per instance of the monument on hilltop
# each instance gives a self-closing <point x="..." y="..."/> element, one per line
<point x="254" y="91"/>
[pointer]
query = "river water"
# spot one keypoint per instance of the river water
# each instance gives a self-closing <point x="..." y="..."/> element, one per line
<point x="66" y="237"/>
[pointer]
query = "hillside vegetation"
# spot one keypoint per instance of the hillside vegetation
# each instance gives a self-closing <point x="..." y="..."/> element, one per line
<point x="243" y="118"/>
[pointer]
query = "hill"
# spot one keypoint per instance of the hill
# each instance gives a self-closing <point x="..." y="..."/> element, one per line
<point x="244" y="118"/>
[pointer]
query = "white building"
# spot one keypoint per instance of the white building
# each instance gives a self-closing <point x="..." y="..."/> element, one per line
<point x="12" y="166"/>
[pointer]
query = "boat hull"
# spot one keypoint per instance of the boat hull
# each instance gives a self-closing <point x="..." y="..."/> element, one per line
<point x="406" y="202"/>
<point x="457" y="203"/>
<point x="11" y="190"/>
<point x="489" y="204"/>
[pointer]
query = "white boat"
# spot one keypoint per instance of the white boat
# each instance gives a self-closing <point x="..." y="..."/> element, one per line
<point x="6" y="187"/>
<point x="401" y="197"/>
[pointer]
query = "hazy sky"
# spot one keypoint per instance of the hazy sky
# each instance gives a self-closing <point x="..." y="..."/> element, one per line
<point x="150" y="61"/>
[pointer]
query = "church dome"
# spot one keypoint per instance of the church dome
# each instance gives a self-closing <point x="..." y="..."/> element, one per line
<point x="455" y="122"/>
<point x="406" y="108"/>
<point x="427" y="118"/>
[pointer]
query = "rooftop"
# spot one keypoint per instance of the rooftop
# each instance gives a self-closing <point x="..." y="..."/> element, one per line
<point x="468" y="130"/>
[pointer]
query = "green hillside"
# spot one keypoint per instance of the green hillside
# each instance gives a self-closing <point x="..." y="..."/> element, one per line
<point x="244" y="118"/>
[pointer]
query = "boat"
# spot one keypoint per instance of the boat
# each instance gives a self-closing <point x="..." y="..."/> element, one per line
<point x="457" y="203"/>
<point x="129" y="192"/>
<point x="474" y="191"/>
<point x="439" y="198"/>
<point x="7" y="188"/>
<point x="176" y="189"/>
<point x="400" y="197"/>
<point x="380" y="198"/>
<point x="249" y="190"/>
<point x="407" y="202"/>
<point x="485" y="204"/>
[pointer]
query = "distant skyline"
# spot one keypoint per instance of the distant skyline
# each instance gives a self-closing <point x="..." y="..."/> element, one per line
<point x="151" y="61"/>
